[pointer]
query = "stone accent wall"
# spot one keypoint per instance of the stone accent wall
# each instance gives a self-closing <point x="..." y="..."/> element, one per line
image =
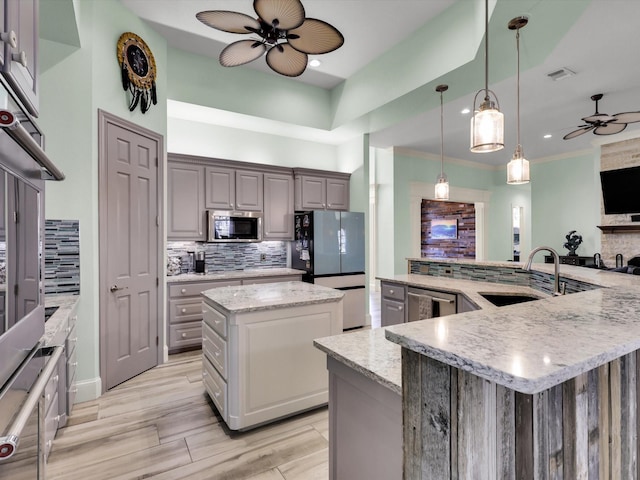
<point x="462" y="247"/>
<point x="612" y="157"/>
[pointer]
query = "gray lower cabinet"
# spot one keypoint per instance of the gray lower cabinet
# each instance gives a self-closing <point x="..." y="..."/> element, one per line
<point x="393" y="304"/>
<point x="184" y="316"/>
<point x="365" y="427"/>
<point x="186" y="214"/>
<point x="277" y="221"/>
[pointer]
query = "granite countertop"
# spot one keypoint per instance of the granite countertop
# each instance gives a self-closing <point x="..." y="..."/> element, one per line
<point x="369" y="353"/>
<point x="269" y="296"/>
<point x="535" y="345"/>
<point x="59" y="320"/>
<point x="234" y="275"/>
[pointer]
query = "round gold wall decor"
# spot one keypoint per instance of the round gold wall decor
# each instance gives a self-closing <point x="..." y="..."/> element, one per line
<point x="138" y="71"/>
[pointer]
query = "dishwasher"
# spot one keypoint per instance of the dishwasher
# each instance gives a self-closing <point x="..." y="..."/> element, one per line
<point x="425" y="304"/>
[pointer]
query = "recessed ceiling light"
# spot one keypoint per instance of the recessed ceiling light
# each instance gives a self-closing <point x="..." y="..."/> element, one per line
<point x="465" y="111"/>
<point x="315" y="63"/>
<point x="548" y="135"/>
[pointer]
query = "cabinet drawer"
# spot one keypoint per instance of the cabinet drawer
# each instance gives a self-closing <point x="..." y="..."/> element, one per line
<point x="216" y="387"/>
<point x="215" y="348"/>
<point x="50" y="390"/>
<point x="215" y="320"/>
<point x="72" y="364"/>
<point x="187" y="334"/>
<point x="395" y="291"/>
<point x="71" y="341"/>
<point x="392" y="312"/>
<point x="194" y="289"/>
<point x="185" y="309"/>
<point x="51" y="422"/>
<point x="72" y="389"/>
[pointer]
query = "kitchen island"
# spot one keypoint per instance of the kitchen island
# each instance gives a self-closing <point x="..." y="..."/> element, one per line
<point x="259" y="363"/>
<point x="544" y="389"/>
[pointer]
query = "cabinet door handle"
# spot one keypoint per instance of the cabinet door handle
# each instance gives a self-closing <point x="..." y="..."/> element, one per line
<point x="184" y="335"/>
<point x="400" y="307"/>
<point x="20" y="58"/>
<point x="9" y="37"/>
<point x="391" y="291"/>
<point x="184" y="310"/>
<point x="184" y="290"/>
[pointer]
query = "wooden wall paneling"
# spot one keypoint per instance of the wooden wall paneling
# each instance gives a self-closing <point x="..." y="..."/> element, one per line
<point x="453" y="444"/>
<point x="604" y="421"/>
<point x="556" y="450"/>
<point x="628" y="403"/>
<point x="637" y="387"/>
<point x="575" y="436"/>
<point x="540" y="416"/>
<point x="593" y="426"/>
<point x="524" y="436"/>
<point x="476" y="427"/>
<point x="615" y="419"/>
<point x="462" y="247"/>
<point x="426" y="390"/>
<point x="505" y="433"/>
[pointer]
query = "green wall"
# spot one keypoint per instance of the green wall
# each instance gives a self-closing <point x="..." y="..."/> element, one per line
<point x="72" y="90"/>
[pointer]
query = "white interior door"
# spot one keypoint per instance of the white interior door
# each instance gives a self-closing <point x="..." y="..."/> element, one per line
<point x="129" y="287"/>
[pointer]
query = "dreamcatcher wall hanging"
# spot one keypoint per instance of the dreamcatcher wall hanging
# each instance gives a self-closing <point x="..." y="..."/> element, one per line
<point x="138" y="69"/>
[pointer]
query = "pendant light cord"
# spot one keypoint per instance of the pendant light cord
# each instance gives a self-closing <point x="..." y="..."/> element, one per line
<point x="486" y="50"/>
<point x="518" y="86"/>
<point x="441" y="137"/>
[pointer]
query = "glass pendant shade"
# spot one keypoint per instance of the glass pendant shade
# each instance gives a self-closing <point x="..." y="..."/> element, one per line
<point x="518" y="168"/>
<point x="487" y="130"/>
<point x="442" y="188"/>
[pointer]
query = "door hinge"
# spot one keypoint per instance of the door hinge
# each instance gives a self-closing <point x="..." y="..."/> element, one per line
<point x="156" y="161"/>
<point x="157" y="341"/>
<point x="157" y="221"/>
<point x="157" y="282"/>
<point x="15" y="289"/>
<point x="16" y="217"/>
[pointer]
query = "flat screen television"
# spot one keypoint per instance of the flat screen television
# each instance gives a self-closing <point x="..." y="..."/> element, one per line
<point x="621" y="190"/>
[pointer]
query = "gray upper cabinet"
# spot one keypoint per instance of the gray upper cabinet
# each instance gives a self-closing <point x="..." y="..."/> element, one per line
<point x="232" y="189"/>
<point x="186" y="214"/>
<point x="321" y="190"/>
<point x="278" y="207"/>
<point x="20" y="53"/>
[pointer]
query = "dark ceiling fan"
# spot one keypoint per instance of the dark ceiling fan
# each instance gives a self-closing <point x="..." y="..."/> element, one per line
<point x="286" y="36"/>
<point x="603" y="124"/>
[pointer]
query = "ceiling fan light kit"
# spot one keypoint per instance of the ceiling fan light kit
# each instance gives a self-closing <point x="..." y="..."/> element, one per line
<point x="518" y="167"/>
<point x="487" y="123"/>
<point x="603" y="124"/>
<point x="442" y="184"/>
<point x="285" y="35"/>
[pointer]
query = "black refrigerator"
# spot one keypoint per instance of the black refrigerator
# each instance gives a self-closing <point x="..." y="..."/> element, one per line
<point x="329" y="247"/>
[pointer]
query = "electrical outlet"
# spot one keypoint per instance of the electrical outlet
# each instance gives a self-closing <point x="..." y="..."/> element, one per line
<point x="424" y="269"/>
<point x="448" y="271"/>
<point x="263" y="257"/>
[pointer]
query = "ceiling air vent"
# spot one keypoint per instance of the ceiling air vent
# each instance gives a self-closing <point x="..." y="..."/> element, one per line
<point x="561" y="74"/>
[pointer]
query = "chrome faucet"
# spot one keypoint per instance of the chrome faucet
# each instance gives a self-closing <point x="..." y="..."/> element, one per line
<point x="557" y="290"/>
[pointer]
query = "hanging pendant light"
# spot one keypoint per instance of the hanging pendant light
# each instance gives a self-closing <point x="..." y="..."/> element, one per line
<point x="487" y="123"/>
<point x="442" y="185"/>
<point x="518" y="167"/>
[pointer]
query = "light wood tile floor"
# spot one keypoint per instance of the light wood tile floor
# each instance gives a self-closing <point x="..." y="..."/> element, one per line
<point x="161" y="425"/>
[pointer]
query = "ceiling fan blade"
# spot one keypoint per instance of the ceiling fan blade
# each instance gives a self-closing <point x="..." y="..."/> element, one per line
<point x="316" y="37"/>
<point x="239" y="53"/>
<point x="626" y="117"/>
<point x="286" y="60"/>
<point x="598" y="117"/>
<point x="288" y="13"/>
<point x="232" y="22"/>
<point x="577" y="133"/>
<point x="610" y="128"/>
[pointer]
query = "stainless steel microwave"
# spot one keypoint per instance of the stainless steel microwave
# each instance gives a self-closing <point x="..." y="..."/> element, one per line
<point x="228" y="226"/>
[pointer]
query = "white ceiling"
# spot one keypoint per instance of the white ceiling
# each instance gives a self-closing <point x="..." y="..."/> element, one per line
<point x="601" y="47"/>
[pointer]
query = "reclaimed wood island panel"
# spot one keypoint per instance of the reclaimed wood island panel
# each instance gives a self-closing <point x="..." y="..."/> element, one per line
<point x="542" y="390"/>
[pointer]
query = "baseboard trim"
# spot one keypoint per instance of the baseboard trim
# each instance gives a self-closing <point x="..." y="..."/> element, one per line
<point x="88" y="390"/>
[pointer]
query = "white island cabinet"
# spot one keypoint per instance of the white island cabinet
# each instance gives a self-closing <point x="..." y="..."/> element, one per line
<point x="259" y="362"/>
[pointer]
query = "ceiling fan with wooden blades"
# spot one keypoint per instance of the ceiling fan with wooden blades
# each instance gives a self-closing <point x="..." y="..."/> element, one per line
<point x="285" y="35"/>
<point x="603" y="124"/>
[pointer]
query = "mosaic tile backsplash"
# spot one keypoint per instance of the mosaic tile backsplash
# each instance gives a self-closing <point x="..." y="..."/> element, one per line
<point x="505" y="275"/>
<point x="223" y="257"/>
<point x="62" y="257"/>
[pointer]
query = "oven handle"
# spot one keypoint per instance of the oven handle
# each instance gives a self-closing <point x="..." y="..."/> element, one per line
<point x="435" y="299"/>
<point x="9" y="443"/>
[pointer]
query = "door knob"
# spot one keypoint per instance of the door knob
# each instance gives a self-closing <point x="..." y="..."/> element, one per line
<point x="115" y="288"/>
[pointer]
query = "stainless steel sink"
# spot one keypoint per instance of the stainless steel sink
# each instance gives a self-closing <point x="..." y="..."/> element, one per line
<point x="501" y="300"/>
